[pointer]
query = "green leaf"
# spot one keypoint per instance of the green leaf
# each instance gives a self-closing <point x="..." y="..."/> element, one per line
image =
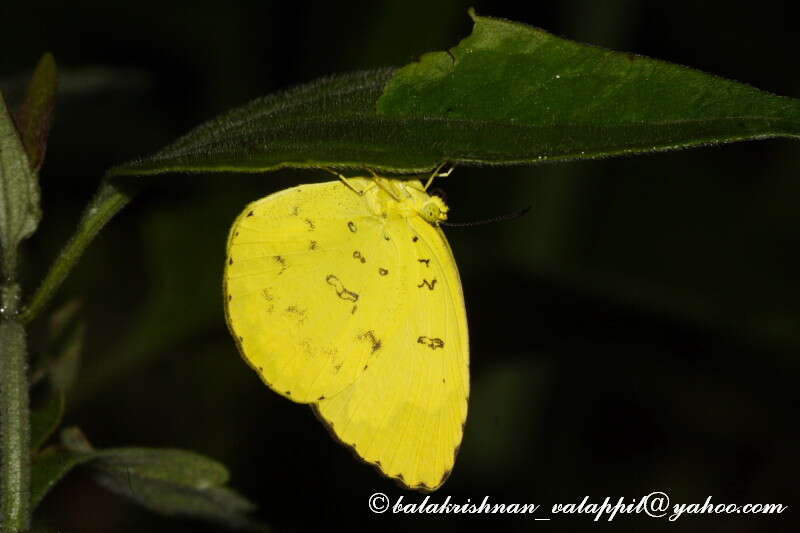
<point x="331" y="122"/>
<point x="19" y="193"/>
<point x="74" y="440"/>
<point x="45" y="421"/>
<point x="175" y="466"/>
<point x="49" y="467"/>
<point x="170" y="497"/>
<point x="35" y="115"/>
<point x="171" y="482"/>
<point x="529" y="96"/>
<point x="54" y="462"/>
<point x="507" y="94"/>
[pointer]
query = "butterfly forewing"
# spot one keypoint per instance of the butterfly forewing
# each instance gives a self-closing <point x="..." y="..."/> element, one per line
<point x="306" y="288"/>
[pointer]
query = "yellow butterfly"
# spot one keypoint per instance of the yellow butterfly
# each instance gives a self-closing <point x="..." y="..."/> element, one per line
<point x="345" y="295"/>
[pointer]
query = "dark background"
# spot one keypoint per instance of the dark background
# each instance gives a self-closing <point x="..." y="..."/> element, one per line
<point x="636" y="331"/>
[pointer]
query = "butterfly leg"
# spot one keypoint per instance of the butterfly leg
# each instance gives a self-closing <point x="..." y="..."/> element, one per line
<point x="437" y="174"/>
<point x="344" y="180"/>
<point x="379" y="181"/>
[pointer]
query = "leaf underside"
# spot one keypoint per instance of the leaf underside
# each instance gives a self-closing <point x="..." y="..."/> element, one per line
<point x="507" y="94"/>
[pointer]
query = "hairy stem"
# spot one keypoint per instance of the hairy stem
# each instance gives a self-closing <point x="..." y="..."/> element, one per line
<point x="15" y="469"/>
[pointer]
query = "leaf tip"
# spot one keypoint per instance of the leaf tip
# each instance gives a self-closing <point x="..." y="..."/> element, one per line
<point x="34" y="117"/>
<point x="47" y="64"/>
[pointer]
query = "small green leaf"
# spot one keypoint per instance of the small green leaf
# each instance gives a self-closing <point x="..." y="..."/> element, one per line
<point x="74" y="440"/>
<point x="35" y="115"/>
<point x="176" y="466"/>
<point x="49" y="467"/>
<point x="45" y="421"/>
<point x="172" y="482"/>
<point x="507" y="94"/>
<point x="213" y="503"/>
<point x="19" y="193"/>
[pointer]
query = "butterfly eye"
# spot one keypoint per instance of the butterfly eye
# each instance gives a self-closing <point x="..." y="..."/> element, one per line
<point x="434" y="210"/>
<point x="430" y="212"/>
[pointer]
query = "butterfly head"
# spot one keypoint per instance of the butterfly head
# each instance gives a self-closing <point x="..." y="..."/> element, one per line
<point x="434" y="210"/>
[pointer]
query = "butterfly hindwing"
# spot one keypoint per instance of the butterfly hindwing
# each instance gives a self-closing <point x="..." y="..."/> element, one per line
<point x="406" y="413"/>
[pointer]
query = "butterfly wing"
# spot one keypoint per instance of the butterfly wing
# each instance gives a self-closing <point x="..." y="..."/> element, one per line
<point x="310" y="285"/>
<point x="407" y="411"/>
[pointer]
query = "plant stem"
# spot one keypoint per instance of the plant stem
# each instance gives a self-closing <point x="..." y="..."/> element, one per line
<point x="110" y="197"/>
<point x="15" y="469"/>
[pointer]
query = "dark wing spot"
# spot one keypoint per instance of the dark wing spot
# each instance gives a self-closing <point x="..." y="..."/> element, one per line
<point x="313" y="245"/>
<point x="310" y="223"/>
<point x="426" y="283"/>
<point x="337" y="367"/>
<point x="230" y="297"/>
<point x="230" y="260"/>
<point x="426" y="261"/>
<point x="431" y="343"/>
<point x="295" y="211"/>
<point x="282" y="262"/>
<point x="374" y="341"/>
<point x="352" y="226"/>
<point x="300" y="313"/>
<point x="320" y="398"/>
<point x="415" y="239"/>
<point x="382" y="271"/>
<point x="357" y="255"/>
<point x="341" y="291"/>
<point x="236" y="234"/>
<point x="250" y="214"/>
<point x="288" y="393"/>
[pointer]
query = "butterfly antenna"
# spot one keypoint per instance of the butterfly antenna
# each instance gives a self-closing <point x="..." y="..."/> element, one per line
<point x="437" y="174"/>
<point x="509" y="216"/>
